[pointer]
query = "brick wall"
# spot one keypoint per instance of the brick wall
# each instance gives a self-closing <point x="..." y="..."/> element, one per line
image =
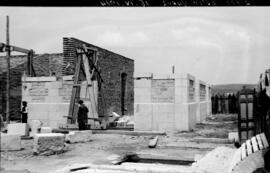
<point x="112" y="65"/>
<point x="18" y="66"/>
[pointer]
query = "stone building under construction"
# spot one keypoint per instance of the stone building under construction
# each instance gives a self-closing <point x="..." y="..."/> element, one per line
<point x="50" y="89"/>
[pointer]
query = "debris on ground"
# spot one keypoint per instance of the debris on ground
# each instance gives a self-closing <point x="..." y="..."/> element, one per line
<point x="218" y="160"/>
<point x="153" y="142"/>
<point x="117" y="143"/>
<point x="125" y="121"/>
<point x="79" y="136"/>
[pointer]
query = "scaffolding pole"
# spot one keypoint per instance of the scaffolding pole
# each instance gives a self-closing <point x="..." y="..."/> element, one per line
<point x="8" y="72"/>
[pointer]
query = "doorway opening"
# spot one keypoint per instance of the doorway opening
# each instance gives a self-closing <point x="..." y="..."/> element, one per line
<point x="123" y="92"/>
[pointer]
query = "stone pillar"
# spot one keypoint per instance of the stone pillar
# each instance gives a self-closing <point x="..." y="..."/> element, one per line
<point x="197" y="100"/>
<point x="181" y="103"/>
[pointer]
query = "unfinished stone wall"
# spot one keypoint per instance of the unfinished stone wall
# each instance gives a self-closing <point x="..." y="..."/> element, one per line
<point x="112" y="66"/>
<point x="168" y="102"/>
<point x="161" y="103"/>
<point x="43" y="64"/>
<point x="49" y="98"/>
<point x="203" y="100"/>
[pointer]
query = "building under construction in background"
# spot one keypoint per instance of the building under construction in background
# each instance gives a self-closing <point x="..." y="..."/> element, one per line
<point x="115" y="91"/>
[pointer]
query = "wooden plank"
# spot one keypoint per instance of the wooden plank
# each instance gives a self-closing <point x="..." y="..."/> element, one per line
<point x="93" y="103"/>
<point x="74" y="89"/>
<point x="79" y="84"/>
<point x="264" y="140"/>
<point x="249" y="148"/>
<point x="212" y="140"/>
<point x="125" y="132"/>
<point x="254" y="144"/>
<point x="164" y="159"/>
<point x="243" y="151"/>
<point x="19" y="49"/>
<point x="259" y="140"/>
<point x="153" y="142"/>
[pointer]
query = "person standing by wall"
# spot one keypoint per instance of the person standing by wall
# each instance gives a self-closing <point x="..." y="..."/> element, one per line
<point x="24" y="112"/>
<point x="82" y="115"/>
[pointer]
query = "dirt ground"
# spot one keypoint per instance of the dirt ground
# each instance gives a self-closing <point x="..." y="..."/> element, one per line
<point x="106" y="147"/>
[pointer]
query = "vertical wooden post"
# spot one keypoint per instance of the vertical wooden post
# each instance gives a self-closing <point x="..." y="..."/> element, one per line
<point x="29" y="63"/>
<point x="75" y="91"/>
<point x="8" y="71"/>
<point x="28" y="71"/>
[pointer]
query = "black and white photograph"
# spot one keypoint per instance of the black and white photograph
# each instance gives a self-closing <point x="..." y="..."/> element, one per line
<point x="135" y="89"/>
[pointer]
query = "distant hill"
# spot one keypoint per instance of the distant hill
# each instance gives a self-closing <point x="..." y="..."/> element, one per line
<point x="230" y="88"/>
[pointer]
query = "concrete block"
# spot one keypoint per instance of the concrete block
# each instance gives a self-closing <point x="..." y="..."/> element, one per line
<point x="163" y="108"/>
<point x="179" y="99"/>
<point x="192" y="115"/>
<point x="10" y="142"/>
<point x="233" y="136"/>
<point x="40" y="79"/>
<point x="142" y="98"/>
<point x="143" y="75"/>
<point x="145" y="83"/>
<point x="18" y="128"/>
<point x="79" y="136"/>
<point x="35" y="126"/>
<point x="170" y="126"/>
<point x="145" y="108"/>
<point x="181" y="117"/>
<point x="159" y="117"/>
<point x="70" y="77"/>
<point x="170" y="117"/>
<point x="46" y="130"/>
<point x="143" y="115"/>
<point x="183" y="76"/>
<point x="142" y="91"/>
<point x="163" y="76"/>
<point x="49" y="143"/>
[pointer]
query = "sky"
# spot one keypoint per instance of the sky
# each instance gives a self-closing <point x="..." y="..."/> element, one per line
<point x="219" y="45"/>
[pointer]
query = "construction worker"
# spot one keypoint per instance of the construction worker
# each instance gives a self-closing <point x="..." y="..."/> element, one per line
<point x="82" y="115"/>
<point x="24" y="112"/>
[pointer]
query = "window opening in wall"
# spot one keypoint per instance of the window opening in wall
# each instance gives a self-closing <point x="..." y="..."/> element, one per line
<point x="202" y="92"/>
<point x="191" y="91"/>
<point x="123" y="92"/>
